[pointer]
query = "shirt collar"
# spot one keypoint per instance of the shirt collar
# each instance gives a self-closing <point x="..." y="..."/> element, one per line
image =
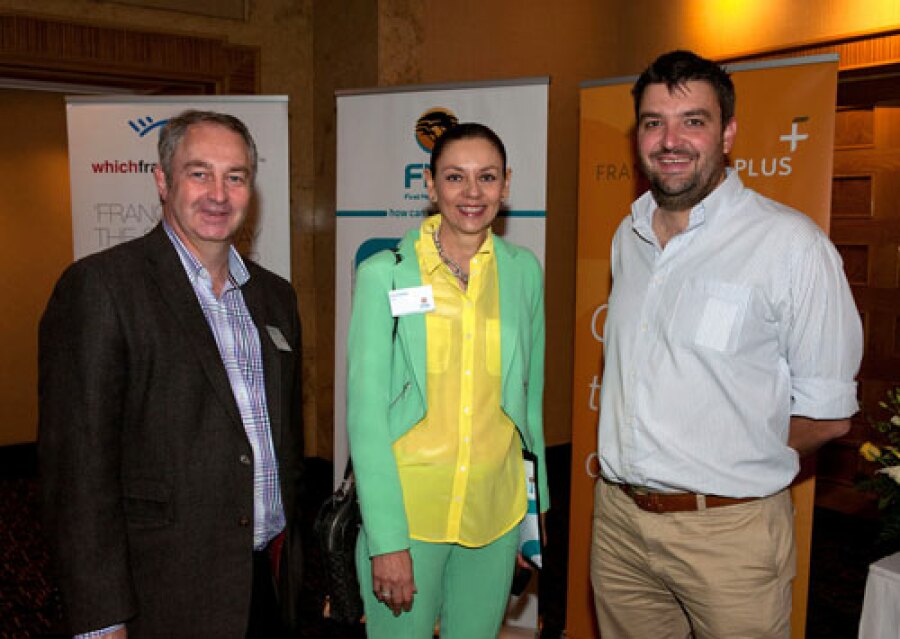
<point x="430" y="257"/>
<point x="237" y="270"/>
<point x="707" y="209"/>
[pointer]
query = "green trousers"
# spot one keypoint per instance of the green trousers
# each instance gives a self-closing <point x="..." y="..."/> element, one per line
<point x="467" y="589"/>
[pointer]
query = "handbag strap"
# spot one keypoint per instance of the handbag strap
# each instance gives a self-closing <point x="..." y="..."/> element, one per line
<point x="525" y="446"/>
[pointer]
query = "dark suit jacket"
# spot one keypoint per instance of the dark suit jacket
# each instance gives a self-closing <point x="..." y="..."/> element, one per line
<point x="146" y="479"/>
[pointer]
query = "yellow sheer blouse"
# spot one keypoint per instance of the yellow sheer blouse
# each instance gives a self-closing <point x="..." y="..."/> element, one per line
<point x="461" y="466"/>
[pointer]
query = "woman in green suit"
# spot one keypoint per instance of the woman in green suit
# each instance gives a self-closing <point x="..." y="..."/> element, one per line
<point x="445" y="383"/>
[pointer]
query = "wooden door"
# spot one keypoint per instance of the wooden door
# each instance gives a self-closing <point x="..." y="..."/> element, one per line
<point x="865" y="227"/>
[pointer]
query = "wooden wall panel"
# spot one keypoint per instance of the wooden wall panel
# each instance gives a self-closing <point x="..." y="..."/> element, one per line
<point x="233" y="9"/>
<point x="851" y="196"/>
<point x="854" y="127"/>
<point x="162" y="63"/>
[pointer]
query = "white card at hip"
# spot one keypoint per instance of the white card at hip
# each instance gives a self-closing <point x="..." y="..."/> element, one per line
<point x="408" y="301"/>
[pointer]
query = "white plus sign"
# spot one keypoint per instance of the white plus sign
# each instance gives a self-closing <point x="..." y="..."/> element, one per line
<point x="793" y="137"/>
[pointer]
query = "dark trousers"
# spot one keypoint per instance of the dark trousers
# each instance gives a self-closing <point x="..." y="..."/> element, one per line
<point x="265" y="613"/>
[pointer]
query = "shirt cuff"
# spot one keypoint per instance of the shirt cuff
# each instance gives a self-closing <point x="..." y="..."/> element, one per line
<point x="818" y="398"/>
<point x="100" y="633"/>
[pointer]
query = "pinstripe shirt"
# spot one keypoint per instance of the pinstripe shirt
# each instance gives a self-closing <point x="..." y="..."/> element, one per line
<point x="239" y="346"/>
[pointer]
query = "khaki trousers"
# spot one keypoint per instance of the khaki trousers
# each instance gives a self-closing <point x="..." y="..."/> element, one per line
<point x="720" y="573"/>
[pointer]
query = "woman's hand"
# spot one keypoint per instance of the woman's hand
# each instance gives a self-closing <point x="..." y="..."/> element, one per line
<point x="392" y="580"/>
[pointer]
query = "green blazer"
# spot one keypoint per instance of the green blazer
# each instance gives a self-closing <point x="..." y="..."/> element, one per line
<point x="386" y="376"/>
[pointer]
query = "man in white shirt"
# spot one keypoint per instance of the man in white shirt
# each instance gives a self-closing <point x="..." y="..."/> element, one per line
<point x="732" y="342"/>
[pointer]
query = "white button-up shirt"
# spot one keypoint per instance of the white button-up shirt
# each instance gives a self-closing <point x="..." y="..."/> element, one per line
<point x="711" y="344"/>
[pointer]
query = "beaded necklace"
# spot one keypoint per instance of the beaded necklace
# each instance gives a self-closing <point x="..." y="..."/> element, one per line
<point x="455" y="268"/>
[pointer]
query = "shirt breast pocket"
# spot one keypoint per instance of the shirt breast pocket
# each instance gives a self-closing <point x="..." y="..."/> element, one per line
<point x="710" y="314"/>
<point x="439" y="338"/>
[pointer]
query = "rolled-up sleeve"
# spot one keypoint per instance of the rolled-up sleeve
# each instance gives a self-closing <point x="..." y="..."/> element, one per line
<point x="824" y="338"/>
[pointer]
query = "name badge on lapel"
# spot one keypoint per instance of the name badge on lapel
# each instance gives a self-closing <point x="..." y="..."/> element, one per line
<point x="278" y="338"/>
<point x="412" y="300"/>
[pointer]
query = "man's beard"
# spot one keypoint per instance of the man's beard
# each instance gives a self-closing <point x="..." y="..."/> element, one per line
<point x="688" y="193"/>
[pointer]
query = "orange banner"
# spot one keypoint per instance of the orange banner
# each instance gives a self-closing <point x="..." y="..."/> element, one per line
<point x="784" y="149"/>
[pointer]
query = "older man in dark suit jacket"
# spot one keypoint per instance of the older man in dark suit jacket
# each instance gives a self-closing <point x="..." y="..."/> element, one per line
<point x="170" y="434"/>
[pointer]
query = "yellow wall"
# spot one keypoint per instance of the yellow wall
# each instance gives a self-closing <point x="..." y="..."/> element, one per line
<point x="36" y="232"/>
<point x="727" y="28"/>
<point x="346" y="57"/>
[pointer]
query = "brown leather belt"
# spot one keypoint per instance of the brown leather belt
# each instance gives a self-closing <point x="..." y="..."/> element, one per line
<point x="677" y="502"/>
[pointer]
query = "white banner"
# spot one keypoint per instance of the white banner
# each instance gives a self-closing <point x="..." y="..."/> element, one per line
<point x="112" y="152"/>
<point x="384" y="140"/>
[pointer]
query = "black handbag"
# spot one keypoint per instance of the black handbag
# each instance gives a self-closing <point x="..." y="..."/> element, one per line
<point x="336" y="527"/>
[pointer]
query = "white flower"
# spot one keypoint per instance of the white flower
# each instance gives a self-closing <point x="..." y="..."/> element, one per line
<point x="891" y="471"/>
<point x="895" y="420"/>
